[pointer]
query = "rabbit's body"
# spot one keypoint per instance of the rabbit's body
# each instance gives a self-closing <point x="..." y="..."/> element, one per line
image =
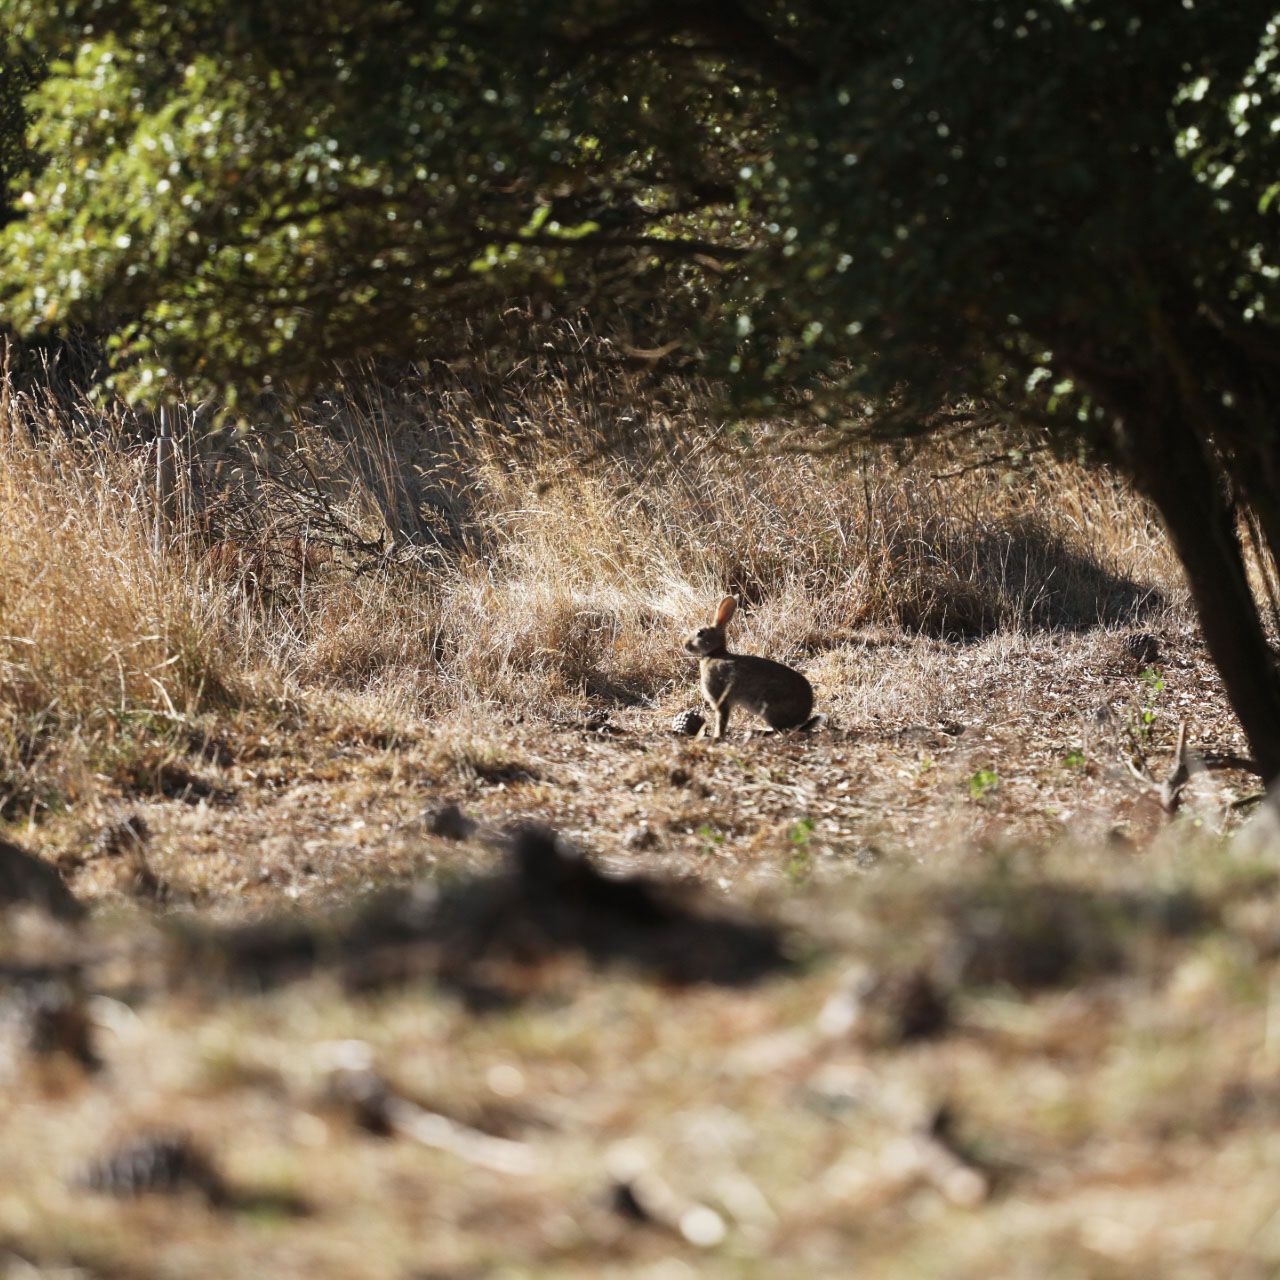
<point x="779" y="694"/>
<point x="781" y="697"/>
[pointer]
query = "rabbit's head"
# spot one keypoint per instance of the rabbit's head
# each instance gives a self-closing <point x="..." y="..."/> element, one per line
<point x="708" y="641"/>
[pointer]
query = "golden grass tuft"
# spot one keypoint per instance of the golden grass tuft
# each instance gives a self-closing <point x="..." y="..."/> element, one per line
<point x="525" y="546"/>
<point x="100" y="638"/>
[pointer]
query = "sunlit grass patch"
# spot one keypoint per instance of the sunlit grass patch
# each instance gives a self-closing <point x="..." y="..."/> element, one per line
<point x="530" y="547"/>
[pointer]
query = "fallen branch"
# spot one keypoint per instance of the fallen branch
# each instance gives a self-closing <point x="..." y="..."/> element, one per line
<point x="1168" y="794"/>
<point x="377" y="1107"/>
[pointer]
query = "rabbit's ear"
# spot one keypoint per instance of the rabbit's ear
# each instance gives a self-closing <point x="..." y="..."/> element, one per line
<point x="728" y="607"/>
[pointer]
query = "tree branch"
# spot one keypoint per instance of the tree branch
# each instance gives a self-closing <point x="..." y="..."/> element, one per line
<point x="725" y="24"/>
<point x="668" y="248"/>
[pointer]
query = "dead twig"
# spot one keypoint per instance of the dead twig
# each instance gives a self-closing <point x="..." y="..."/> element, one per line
<point x="1168" y="794"/>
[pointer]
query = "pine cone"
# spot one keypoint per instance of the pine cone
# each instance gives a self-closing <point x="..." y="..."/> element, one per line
<point x="163" y="1162"/>
<point x="1142" y="647"/>
<point x="687" y="723"/>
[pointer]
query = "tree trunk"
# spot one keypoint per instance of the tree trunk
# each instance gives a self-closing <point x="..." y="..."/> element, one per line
<point x="1181" y="476"/>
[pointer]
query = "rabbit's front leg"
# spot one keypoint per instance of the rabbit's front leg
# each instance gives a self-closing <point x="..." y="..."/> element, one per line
<point x="721" y="708"/>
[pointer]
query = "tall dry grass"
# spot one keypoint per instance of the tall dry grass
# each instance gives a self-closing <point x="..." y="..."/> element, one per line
<point x="455" y="543"/>
<point x="102" y="644"/>
<point x="567" y="536"/>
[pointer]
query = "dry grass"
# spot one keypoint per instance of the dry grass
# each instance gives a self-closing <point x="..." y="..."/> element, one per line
<point x="437" y="565"/>
<point x="534" y="548"/>
<point x="1058" y="1066"/>
<point x="1031" y="1023"/>
<point x="103" y="646"/>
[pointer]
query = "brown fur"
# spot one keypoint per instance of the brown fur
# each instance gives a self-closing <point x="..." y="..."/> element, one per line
<point x="779" y="694"/>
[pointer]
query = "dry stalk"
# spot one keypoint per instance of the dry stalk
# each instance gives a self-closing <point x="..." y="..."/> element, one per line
<point x="1168" y="793"/>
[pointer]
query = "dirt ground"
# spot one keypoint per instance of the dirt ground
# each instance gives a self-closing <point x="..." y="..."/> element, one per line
<point x="928" y="745"/>
<point x="938" y="989"/>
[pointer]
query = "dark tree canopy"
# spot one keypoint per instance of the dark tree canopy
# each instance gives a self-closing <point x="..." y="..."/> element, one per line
<point x="1060" y="210"/>
<point x="247" y="191"/>
<point x="17" y="78"/>
<point x="923" y="195"/>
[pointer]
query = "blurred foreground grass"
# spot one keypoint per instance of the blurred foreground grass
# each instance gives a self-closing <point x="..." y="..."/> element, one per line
<point x="1054" y="1063"/>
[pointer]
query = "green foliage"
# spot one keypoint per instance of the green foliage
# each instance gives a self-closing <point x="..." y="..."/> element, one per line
<point x="246" y="195"/>
<point x="1149" y="707"/>
<point x="801" y="836"/>
<point x="801" y="832"/>
<point x="712" y="839"/>
<point x="935" y="201"/>
<point x="983" y="783"/>
<point x="995" y="200"/>
<point x="17" y="78"/>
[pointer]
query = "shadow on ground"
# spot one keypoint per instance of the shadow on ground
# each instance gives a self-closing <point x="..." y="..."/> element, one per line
<point x="967" y="584"/>
<point x="496" y="939"/>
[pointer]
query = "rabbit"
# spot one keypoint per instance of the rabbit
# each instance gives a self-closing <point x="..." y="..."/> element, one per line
<point x="780" y="694"/>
